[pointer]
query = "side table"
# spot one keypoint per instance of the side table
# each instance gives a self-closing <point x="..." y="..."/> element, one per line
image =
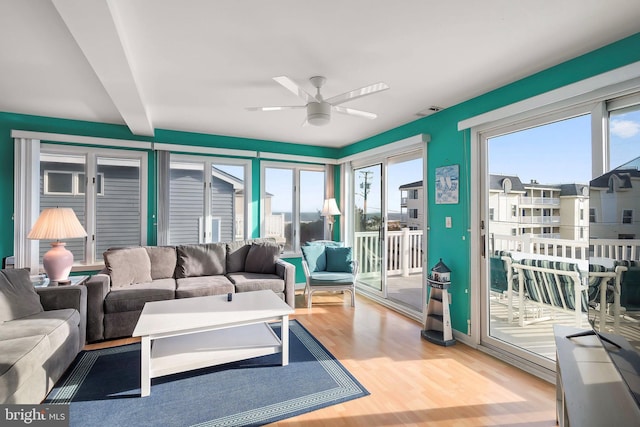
<point x="39" y="281"/>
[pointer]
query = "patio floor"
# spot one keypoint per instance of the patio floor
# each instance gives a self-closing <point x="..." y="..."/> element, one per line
<point x="535" y="337"/>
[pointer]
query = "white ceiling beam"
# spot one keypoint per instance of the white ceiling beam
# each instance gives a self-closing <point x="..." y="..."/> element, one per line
<point x="96" y="29"/>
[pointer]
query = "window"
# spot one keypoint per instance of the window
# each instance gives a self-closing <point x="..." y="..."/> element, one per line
<point x="81" y="184"/>
<point x="413" y="194"/>
<point x="491" y="212"/>
<point x="592" y="215"/>
<point x="514" y="232"/>
<point x="581" y="214"/>
<point x="413" y="213"/>
<point x="292" y="200"/>
<point x="627" y="216"/>
<point x="206" y="201"/>
<point x="514" y="210"/>
<point x="112" y="218"/>
<point x="58" y="182"/>
<point x="68" y="183"/>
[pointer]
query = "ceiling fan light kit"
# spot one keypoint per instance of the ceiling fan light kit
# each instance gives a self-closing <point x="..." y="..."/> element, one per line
<point x="318" y="113"/>
<point x="319" y="110"/>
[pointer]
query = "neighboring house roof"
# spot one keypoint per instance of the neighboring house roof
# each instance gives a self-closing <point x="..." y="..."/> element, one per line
<point x="574" y="190"/>
<point x="417" y="184"/>
<point x="616" y="179"/>
<point x="496" y="182"/>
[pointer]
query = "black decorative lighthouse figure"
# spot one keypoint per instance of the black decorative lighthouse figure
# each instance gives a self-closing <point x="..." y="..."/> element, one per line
<point x="437" y="326"/>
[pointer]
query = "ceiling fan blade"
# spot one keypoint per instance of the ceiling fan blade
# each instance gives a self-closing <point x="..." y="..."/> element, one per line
<point x="352" y="112"/>
<point x="277" y="108"/>
<point x="357" y="93"/>
<point x="295" y="89"/>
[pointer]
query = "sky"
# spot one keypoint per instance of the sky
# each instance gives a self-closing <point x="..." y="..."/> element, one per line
<point x="560" y="152"/>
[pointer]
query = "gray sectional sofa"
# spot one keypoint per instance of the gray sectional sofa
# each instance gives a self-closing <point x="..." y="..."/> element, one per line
<point x="136" y="275"/>
<point x="41" y="332"/>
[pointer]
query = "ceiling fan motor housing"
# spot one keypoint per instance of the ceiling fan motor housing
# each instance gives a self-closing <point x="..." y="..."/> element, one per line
<point x="318" y="113"/>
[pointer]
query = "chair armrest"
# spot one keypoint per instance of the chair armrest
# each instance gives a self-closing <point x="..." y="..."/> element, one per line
<point x="98" y="287"/>
<point x="60" y="297"/>
<point x="287" y="272"/>
<point x="305" y="268"/>
<point x="355" y="269"/>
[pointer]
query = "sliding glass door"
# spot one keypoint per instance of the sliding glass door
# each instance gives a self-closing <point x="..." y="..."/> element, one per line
<point x="537" y="202"/>
<point x="389" y="218"/>
<point x="369" y="226"/>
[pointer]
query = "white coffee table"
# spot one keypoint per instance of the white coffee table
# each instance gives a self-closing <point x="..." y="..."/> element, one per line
<point x="191" y="333"/>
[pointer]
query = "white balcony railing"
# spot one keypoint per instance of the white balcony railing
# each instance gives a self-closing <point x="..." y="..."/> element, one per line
<point x="539" y="219"/>
<point x="274" y="226"/>
<point x="617" y="249"/>
<point x="544" y="201"/>
<point x="404" y="251"/>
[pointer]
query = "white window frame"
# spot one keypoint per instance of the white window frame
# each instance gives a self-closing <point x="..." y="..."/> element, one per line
<point x="45" y="185"/>
<point x="205" y="234"/>
<point x="627" y="214"/>
<point x="77" y="180"/>
<point x="589" y="95"/>
<point x="296" y="168"/>
<point x="27" y="202"/>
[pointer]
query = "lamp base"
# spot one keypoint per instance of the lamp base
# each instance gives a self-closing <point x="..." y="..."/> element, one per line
<point x="57" y="262"/>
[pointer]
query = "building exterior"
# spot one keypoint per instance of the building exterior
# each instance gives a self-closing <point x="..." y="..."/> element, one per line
<point x="539" y="210"/>
<point x="412" y="205"/>
<point x="517" y="209"/>
<point x="615" y="205"/>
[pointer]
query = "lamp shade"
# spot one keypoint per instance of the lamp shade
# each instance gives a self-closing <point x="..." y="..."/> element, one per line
<point x="330" y="208"/>
<point x="56" y="224"/>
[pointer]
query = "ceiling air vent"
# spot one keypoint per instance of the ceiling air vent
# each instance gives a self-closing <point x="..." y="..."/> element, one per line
<point x="428" y="111"/>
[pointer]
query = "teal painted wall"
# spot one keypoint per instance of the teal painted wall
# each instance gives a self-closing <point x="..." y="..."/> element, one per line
<point x="448" y="146"/>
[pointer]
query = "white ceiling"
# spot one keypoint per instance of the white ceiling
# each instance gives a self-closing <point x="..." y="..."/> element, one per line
<point x="194" y="65"/>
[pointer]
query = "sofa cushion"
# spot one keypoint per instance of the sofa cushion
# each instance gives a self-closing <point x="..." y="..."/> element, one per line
<point x="128" y="266"/>
<point x="246" y="282"/>
<point x="237" y="255"/>
<point x="48" y="323"/>
<point x="262" y="258"/>
<point x="20" y="358"/>
<point x="207" y="259"/>
<point x="18" y="297"/>
<point x="133" y="298"/>
<point x="163" y="261"/>
<point x="203" y="286"/>
<point x="316" y="257"/>
<point x="339" y="259"/>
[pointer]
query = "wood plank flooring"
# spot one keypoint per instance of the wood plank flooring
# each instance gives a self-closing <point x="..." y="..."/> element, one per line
<point x="413" y="382"/>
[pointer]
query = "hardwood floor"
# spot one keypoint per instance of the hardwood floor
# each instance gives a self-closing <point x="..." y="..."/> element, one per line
<point x="413" y="382"/>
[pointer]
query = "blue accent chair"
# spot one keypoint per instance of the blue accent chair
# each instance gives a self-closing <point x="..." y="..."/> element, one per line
<point x="329" y="266"/>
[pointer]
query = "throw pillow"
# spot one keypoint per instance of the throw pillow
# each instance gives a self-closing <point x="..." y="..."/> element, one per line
<point x="262" y="258"/>
<point x="237" y="255"/>
<point x="315" y="256"/>
<point x="163" y="261"/>
<point x="339" y="259"/>
<point x="18" y="297"/>
<point x="128" y="266"/>
<point x="207" y="259"/>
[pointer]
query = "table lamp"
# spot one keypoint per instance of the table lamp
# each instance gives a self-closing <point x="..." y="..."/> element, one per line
<point x="57" y="223"/>
<point x="329" y="209"/>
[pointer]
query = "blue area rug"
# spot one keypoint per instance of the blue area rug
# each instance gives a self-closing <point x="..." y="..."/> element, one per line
<point x="103" y="388"/>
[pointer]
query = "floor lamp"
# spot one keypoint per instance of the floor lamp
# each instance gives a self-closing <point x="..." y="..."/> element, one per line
<point x="56" y="224"/>
<point x="329" y="209"/>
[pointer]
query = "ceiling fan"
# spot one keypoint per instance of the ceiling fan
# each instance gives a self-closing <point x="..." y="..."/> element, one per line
<point x="318" y="108"/>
